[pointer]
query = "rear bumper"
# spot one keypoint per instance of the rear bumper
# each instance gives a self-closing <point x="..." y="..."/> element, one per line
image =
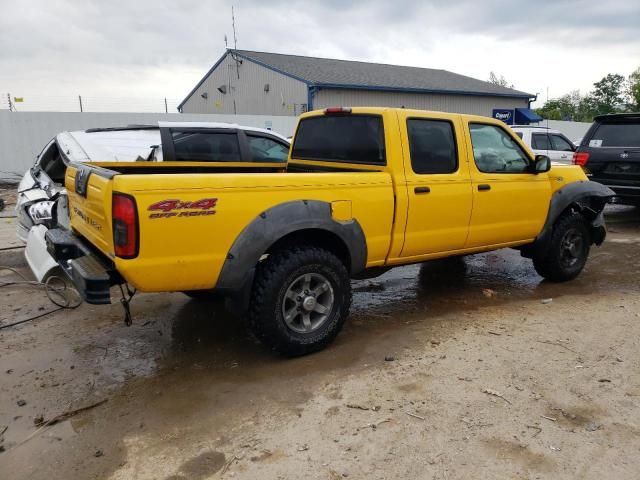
<point x="91" y="273"/>
<point x="624" y="190"/>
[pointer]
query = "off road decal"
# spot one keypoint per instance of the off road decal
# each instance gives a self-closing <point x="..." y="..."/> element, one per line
<point x="179" y="208"/>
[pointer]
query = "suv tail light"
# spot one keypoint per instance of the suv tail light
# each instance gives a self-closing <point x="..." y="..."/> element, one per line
<point x="580" y="158"/>
<point x="125" y="225"/>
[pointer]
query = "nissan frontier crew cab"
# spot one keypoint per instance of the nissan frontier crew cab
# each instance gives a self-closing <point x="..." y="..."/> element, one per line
<point x="363" y="190"/>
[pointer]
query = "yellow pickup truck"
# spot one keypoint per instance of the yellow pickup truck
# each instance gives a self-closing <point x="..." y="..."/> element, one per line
<point x="362" y="190"/>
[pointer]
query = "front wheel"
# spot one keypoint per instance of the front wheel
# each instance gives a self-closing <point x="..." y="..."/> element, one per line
<point x="568" y="250"/>
<point x="300" y="300"/>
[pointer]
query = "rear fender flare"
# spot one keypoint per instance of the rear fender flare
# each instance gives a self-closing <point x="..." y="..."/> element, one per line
<point x="277" y="222"/>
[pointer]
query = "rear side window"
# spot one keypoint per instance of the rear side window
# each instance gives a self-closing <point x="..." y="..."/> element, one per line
<point x="432" y="146"/>
<point x="341" y="138"/>
<point x="206" y="146"/>
<point x="265" y="149"/>
<point x="616" y="135"/>
<point x="519" y="134"/>
<point x="561" y="144"/>
<point x="540" y="141"/>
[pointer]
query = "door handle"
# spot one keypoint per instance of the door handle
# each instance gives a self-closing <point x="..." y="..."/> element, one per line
<point x="422" y="190"/>
<point x="483" y="187"/>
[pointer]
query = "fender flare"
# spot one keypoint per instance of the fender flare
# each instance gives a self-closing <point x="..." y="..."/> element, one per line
<point x="277" y="222"/>
<point x="588" y="195"/>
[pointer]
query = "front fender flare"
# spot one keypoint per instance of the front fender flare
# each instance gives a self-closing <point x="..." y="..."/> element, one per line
<point x="279" y="221"/>
<point x="586" y="195"/>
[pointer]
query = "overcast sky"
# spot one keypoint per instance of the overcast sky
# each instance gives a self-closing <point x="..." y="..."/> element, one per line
<point x="53" y="50"/>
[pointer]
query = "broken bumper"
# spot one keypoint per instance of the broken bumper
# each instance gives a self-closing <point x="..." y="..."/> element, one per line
<point x="91" y="273"/>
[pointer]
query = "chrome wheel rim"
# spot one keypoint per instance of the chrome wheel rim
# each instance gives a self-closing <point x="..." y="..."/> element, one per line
<point x="571" y="248"/>
<point x="308" y="302"/>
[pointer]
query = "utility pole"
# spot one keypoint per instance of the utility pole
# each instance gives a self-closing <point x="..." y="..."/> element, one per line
<point x="80" y="100"/>
<point x="166" y="108"/>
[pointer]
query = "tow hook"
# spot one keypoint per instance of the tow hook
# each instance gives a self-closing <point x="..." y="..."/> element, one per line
<point x="125" y="301"/>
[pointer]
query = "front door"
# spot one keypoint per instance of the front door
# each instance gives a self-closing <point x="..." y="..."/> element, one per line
<point x="438" y="184"/>
<point x="510" y="203"/>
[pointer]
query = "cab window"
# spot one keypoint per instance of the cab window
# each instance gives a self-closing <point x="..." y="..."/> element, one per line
<point x="265" y="149"/>
<point x="494" y="150"/>
<point x="432" y="146"/>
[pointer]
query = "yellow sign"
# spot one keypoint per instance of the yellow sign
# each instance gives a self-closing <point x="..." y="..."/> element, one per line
<point x="18" y="99"/>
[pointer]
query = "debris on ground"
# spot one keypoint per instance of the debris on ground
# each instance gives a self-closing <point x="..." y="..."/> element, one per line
<point x="69" y="414"/>
<point x="414" y="415"/>
<point x="545" y="301"/>
<point x="389" y="358"/>
<point x="21" y="403"/>
<point x="495" y="394"/>
<point x="487" y="292"/>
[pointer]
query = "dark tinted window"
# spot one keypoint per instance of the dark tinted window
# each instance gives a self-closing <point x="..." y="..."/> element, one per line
<point x="432" y="146"/>
<point x="618" y="135"/>
<point x="341" y="138"/>
<point x="495" y="151"/>
<point x="265" y="149"/>
<point x="206" y="146"/>
<point x="560" y="143"/>
<point x="540" y="141"/>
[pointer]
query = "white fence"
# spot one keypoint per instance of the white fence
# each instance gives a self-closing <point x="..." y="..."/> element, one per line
<point x="23" y="134"/>
<point x="572" y="130"/>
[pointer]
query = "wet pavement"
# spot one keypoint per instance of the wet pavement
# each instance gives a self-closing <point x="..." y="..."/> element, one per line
<point x="187" y="386"/>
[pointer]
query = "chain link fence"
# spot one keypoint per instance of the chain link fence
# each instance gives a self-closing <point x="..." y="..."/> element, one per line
<point x="81" y="103"/>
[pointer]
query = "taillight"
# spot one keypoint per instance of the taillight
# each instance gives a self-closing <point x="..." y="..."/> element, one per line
<point x="580" y="158"/>
<point x="336" y="110"/>
<point x="125" y="225"/>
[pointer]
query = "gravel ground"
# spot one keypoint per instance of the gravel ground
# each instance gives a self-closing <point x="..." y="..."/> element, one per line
<point x="469" y="368"/>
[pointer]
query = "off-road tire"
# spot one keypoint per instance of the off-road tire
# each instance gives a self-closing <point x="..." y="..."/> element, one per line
<point x="551" y="264"/>
<point x="273" y="279"/>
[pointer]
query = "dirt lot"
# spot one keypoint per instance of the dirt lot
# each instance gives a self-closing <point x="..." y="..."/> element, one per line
<point x="484" y="377"/>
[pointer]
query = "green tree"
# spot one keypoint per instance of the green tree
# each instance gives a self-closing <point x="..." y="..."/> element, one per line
<point x="634" y="90"/>
<point x="571" y="106"/>
<point x="609" y="94"/>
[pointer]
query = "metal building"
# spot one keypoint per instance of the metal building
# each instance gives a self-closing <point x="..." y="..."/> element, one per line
<point x="260" y="83"/>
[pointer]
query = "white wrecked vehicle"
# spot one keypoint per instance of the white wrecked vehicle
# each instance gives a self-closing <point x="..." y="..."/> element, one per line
<point x="42" y="201"/>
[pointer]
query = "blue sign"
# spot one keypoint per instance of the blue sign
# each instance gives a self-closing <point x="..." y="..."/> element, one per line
<point x="504" y="115"/>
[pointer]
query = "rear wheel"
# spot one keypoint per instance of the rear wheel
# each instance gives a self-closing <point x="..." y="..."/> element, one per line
<point x="568" y="250"/>
<point x="300" y="300"/>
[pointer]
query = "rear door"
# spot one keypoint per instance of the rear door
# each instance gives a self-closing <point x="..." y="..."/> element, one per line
<point x="541" y="144"/>
<point x="613" y="147"/>
<point x="438" y="184"/>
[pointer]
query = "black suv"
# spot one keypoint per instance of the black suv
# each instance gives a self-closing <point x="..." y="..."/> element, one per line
<point x="610" y="154"/>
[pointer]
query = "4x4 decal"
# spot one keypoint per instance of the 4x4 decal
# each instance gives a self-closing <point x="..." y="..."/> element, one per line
<point x="178" y="208"/>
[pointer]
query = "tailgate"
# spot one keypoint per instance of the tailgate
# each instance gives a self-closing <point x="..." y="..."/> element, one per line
<point x="90" y="189"/>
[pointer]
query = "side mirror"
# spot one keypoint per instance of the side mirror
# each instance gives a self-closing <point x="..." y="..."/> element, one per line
<point x="542" y="164"/>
